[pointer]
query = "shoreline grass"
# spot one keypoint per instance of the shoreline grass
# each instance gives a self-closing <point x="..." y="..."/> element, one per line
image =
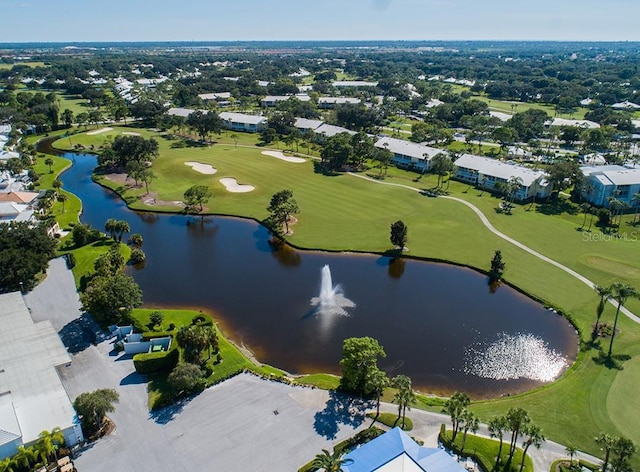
<point x="441" y="229"/>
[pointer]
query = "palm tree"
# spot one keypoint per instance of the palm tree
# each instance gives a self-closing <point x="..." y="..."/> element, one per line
<point x="586" y="208"/>
<point x="606" y="443"/>
<point x="635" y="200"/>
<point x="497" y="428"/>
<point x="110" y="227"/>
<point x="571" y="450"/>
<point x="57" y="184"/>
<point x="534" y="437"/>
<point x="471" y="423"/>
<point x="235" y="140"/>
<point x="330" y="462"/>
<point x="376" y="382"/>
<point x="455" y="407"/>
<point x="122" y="227"/>
<point x="605" y="294"/>
<point x="513" y="185"/>
<point x="62" y="198"/>
<point x="49" y="442"/>
<point x="24" y="456"/>
<point x="621" y="292"/>
<point x="49" y="162"/>
<point x="7" y="465"/>
<point x="404" y="397"/>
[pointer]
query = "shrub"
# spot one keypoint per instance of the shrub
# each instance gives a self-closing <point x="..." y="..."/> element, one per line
<point x="152" y="362"/>
<point x="135" y="239"/>
<point x="137" y="256"/>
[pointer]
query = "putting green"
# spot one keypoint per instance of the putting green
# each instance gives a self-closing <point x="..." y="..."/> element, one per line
<point x="623" y="401"/>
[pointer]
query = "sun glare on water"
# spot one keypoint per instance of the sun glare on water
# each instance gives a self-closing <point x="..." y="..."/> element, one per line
<point x="514" y="357"/>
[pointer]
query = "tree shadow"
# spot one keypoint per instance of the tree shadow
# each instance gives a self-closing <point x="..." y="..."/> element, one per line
<point x="81" y="333"/>
<point x="557" y="207"/>
<point x="168" y="413"/>
<point x="133" y="378"/>
<point x="340" y="409"/>
<point x="320" y="168"/>
<point x="611" y="362"/>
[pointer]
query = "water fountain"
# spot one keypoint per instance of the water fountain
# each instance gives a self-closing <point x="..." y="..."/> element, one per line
<point x="331" y="300"/>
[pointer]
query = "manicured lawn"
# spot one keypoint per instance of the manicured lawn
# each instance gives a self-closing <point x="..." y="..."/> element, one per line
<point x="324" y="381"/>
<point x="487" y="450"/>
<point x="505" y="107"/>
<point x="392" y="420"/>
<point x="233" y="361"/>
<point x="344" y="212"/>
<point x="5" y="66"/>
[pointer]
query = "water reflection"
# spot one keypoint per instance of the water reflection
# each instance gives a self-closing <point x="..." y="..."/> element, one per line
<point x="424" y="314"/>
<point x="513" y="357"/>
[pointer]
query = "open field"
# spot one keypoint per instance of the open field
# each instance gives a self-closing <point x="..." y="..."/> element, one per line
<point x="5" y="66"/>
<point x="346" y="213"/>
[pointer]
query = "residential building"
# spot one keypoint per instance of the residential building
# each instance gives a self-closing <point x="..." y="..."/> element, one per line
<point x="243" y="122"/>
<point x="395" y="451"/>
<point x="331" y="102"/>
<point x="178" y="111"/>
<point x="354" y="83"/>
<point x="12" y="212"/>
<point x="584" y="124"/>
<point x="408" y="155"/>
<point x="213" y="97"/>
<point x="32" y="397"/>
<point x="273" y="100"/>
<point x="331" y="130"/>
<point x="604" y="182"/>
<point x="626" y="105"/>
<point x="305" y="124"/>
<point x="487" y="173"/>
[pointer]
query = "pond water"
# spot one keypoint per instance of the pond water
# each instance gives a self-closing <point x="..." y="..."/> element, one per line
<point x="438" y="323"/>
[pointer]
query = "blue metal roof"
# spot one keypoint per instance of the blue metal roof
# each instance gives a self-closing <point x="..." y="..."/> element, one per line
<point x="392" y="444"/>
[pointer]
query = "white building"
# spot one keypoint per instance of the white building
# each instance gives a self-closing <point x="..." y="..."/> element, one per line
<point x="331" y="130"/>
<point x="603" y="182"/>
<point x="32" y="397"/>
<point x="331" y="102"/>
<point x="584" y="124"/>
<point x="408" y="155"/>
<point x="212" y="97"/>
<point x="243" y="122"/>
<point x="354" y="83"/>
<point x="305" y="124"/>
<point x="626" y="105"/>
<point x="487" y="173"/>
<point x="273" y="100"/>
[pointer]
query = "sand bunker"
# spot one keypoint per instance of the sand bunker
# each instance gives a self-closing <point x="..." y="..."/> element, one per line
<point x="202" y="168"/>
<point x="99" y="131"/>
<point x="130" y="133"/>
<point x="279" y="155"/>
<point x="232" y="185"/>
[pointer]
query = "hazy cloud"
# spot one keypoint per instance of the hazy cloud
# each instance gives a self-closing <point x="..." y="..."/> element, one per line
<point x="380" y="4"/>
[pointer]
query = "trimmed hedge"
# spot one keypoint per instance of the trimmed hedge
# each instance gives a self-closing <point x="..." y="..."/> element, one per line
<point x="152" y="362"/>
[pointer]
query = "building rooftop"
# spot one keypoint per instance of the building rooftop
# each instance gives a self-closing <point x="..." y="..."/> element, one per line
<point x="395" y="451"/>
<point x="29" y="382"/>
<point x="499" y="169"/>
<point x="305" y="123"/>
<point x="354" y="83"/>
<point x="586" y="124"/>
<point x="303" y="97"/>
<point x="339" y="100"/>
<point x="332" y="130"/>
<point x="242" y="118"/>
<point x="407" y="148"/>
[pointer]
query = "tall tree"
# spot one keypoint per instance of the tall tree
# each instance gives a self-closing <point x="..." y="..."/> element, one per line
<point x="110" y="297"/>
<point x="517" y="421"/>
<point x="497" y="266"/>
<point x="441" y="165"/>
<point x="375" y="383"/>
<point x="623" y="448"/>
<point x="49" y="163"/>
<point x="470" y="422"/>
<point x="606" y="442"/>
<point x="404" y="396"/>
<point x="359" y="359"/>
<point x="197" y="195"/>
<point x="455" y="407"/>
<point x="497" y="428"/>
<point x="534" y="437"/>
<point x="620" y="293"/>
<point x="281" y="208"/>
<point x="605" y="294"/>
<point x="93" y="406"/>
<point x="330" y="462"/>
<point x="398" y="235"/>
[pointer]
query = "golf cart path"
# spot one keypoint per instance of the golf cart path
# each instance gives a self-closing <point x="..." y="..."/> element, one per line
<point x="490" y="227"/>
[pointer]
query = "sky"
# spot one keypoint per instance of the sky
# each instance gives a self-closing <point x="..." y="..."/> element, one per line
<point x="232" y="20"/>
